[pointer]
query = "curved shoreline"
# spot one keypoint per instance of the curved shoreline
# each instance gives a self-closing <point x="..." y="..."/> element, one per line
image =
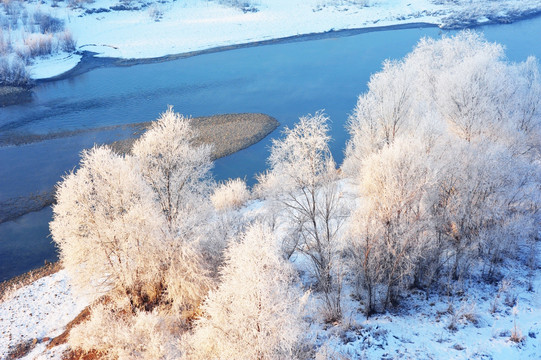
<point x="90" y="62"/>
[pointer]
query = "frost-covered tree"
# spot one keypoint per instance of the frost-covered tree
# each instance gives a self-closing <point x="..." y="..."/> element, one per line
<point x="426" y="212"/>
<point x="126" y="232"/>
<point x="256" y="313"/>
<point x="460" y="84"/>
<point x="178" y="171"/>
<point x="303" y="179"/>
<point x="114" y="239"/>
<point x="472" y="98"/>
<point x="467" y="194"/>
<point x="527" y="110"/>
<point x="382" y="113"/>
<point x="102" y="228"/>
<point x="482" y="203"/>
<point x="389" y="227"/>
<point x="175" y="168"/>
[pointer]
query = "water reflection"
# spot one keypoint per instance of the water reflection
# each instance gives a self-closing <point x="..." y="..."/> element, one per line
<point x="25" y="244"/>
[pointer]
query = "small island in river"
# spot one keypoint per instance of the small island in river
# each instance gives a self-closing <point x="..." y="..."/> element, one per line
<point x="227" y="133"/>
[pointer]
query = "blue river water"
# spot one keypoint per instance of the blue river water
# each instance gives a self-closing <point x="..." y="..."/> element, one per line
<point x="283" y="80"/>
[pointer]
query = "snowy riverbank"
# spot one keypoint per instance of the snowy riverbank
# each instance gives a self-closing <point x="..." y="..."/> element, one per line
<point x="141" y="30"/>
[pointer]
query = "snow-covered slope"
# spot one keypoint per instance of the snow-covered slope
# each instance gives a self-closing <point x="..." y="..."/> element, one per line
<point x="38" y="311"/>
<point x="475" y="325"/>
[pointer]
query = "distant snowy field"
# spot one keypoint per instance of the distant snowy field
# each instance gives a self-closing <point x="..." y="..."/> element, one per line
<point x="173" y="27"/>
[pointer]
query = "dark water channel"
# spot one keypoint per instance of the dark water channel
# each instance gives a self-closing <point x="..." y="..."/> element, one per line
<point x="284" y="80"/>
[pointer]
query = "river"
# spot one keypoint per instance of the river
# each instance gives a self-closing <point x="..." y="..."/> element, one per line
<point x="284" y="80"/>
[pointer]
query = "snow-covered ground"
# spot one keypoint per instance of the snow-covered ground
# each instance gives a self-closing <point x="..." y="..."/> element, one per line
<point x="197" y="25"/>
<point x="38" y="311"/>
<point x="475" y="325"/>
<point x="173" y="27"/>
<point x="53" y="65"/>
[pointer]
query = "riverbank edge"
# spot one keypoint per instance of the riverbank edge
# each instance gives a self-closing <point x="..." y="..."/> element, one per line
<point x="14" y="95"/>
<point x="19" y="281"/>
<point x="223" y="145"/>
<point x="90" y="62"/>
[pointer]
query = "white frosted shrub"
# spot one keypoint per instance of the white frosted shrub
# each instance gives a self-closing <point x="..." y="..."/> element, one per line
<point x="47" y="23"/>
<point x="39" y="44"/>
<point x="230" y="195"/>
<point x="12" y="7"/>
<point x="227" y="220"/>
<point x="66" y="41"/>
<point x="5" y="42"/>
<point x="256" y="311"/>
<point x="79" y="3"/>
<point x="118" y="334"/>
<point x="13" y="72"/>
